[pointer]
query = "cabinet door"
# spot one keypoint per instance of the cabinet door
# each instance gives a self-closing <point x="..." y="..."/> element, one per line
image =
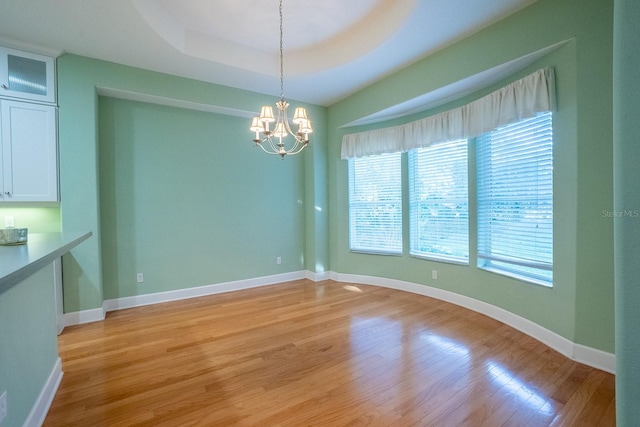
<point x="27" y="75"/>
<point x="29" y="152"/>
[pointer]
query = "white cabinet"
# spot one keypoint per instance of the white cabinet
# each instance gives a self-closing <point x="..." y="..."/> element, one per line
<point x="27" y="75"/>
<point x="29" y="155"/>
<point x="28" y="130"/>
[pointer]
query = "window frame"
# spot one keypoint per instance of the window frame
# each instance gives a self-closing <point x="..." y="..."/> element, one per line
<point x="387" y="161"/>
<point x="423" y="165"/>
<point x="534" y="264"/>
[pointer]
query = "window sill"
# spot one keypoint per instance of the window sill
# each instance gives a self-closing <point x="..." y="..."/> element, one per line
<point x="372" y="252"/>
<point x="519" y="277"/>
<point x="441" y="259"/>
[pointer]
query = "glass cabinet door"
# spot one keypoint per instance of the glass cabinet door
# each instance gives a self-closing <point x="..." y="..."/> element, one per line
<point x="27" y="76"/>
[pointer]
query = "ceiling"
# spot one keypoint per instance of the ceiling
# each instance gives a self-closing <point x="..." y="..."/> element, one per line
<point x="332" y="48"/>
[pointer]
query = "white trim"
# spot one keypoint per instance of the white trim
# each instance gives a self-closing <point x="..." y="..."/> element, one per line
<point x="98" y="314"/>
<point x="45" y="398"/>
<point x="594" y="357"/>
<point x="84" y="316"/>
<point x="317" y="277"/>
<point x="172" y="102"/>
<point x="30" y="47"/>
<point x="580" y="353"/>
<point x="179" y="294"/>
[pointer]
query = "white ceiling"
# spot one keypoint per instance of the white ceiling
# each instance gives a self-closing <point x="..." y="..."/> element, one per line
<point x="332" y="47"/>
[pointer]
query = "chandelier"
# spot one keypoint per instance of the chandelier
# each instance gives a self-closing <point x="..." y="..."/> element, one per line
<point x="272" y="140"/>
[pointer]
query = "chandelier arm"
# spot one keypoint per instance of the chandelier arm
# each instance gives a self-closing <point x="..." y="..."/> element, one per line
<point x="285" y="120"/>
<point x="274" y="149"/>
<point x="292" y="148"/>
<point x="273" y="146"/>
<point x="286" y="125"/>
<point x="265" y="150"/>
<point x="266" y="139"/>
<point x="301" y="146"/>
<point x="259" y="144"/>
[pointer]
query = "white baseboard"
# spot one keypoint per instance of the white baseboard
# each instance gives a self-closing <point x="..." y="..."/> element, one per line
<point x="84" y="316"/>
<point x="596" y="358"/>
<point x="580" y="353"/>
<point x="45" y="398"/>
<point x="317" y="277"/>
<point x="218" y="288"/>
<point x="98" y="314"/>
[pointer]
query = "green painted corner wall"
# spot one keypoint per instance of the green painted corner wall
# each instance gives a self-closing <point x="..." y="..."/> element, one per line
<point x="29" y="342"/>
<point x="580" y="305"/>
<point x="626" y="110"/>
<point x="178" y="194"/>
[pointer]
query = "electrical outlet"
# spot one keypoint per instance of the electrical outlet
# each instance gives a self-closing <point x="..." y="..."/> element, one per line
<point x="9" y="221"/>
<point x="140" y="277"/>
<point x="278" y="260"/>
<point x="434" y="274"/>
<point x="3" y="406"/>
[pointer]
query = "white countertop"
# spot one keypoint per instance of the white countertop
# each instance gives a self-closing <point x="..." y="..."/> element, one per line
<point x="20" y="261"/>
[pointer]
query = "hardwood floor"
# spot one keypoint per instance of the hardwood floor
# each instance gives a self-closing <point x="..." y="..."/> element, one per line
<point x="319" y="354"/>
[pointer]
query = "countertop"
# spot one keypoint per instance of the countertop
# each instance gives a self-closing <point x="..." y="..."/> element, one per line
<point x="20" y="261"/>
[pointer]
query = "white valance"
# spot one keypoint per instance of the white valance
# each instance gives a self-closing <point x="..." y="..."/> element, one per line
<point x="519" y="100"/>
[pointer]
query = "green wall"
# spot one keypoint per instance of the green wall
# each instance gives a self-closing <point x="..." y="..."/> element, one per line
<point x="626" y="110"/>
<point x="29" y="342"/>
<point x="37" y="219"/>
<point x="580" y="305"/>
<point x="178" y="194"/>
<point x="186" y="199"/>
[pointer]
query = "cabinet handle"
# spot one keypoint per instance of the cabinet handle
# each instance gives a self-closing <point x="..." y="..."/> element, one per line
<point x="4" y="86"/>
<point x="8" y="193"/>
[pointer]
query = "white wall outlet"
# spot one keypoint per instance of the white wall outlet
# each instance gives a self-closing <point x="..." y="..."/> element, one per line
<point x="279" y="260"/>
<point x="9" y="221"/>
<point x="139" y="277"/>
<point x="434" y="274"/>
<point x="3" y="406"/>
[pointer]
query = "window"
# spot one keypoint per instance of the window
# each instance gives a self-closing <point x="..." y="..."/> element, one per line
<point x="515" y="199"/>
<point x="439" y="208"/>
<point x="375" y="204"/>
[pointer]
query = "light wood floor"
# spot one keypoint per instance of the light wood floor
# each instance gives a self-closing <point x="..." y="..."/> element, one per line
<point x="319" y="354"/>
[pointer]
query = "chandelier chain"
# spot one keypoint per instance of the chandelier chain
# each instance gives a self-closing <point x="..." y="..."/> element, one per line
<point x="281" y="57"/>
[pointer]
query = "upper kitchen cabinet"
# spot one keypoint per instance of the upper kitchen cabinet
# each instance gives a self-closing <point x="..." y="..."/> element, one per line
<point x="29" y="155"/>
<point x="26" y="75"/>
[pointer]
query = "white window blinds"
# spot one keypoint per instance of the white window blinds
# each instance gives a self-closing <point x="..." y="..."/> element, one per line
<point x="515" y="199"/>
<point x="519" y="100"/>
<point x="439" y="208"/>
<point x="375" y="204"/>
